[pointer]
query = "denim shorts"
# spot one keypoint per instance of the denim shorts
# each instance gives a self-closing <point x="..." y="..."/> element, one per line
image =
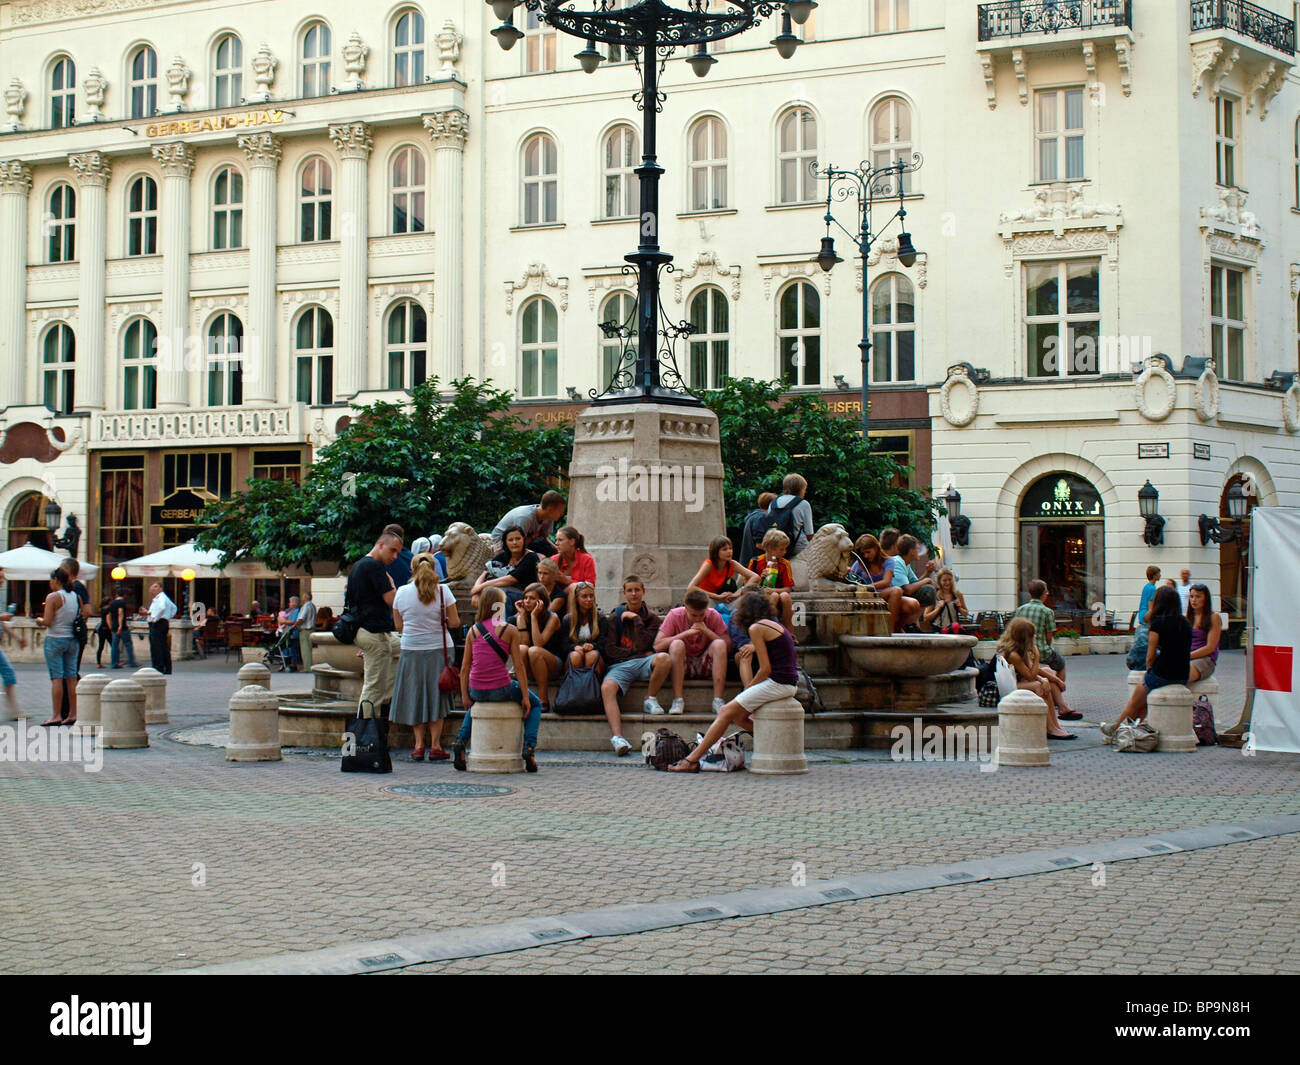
<point x="625" y="674"/>
<point x="1152" y="681"/>
<point x="8" y="678"/>
<point x="61" y="657"/>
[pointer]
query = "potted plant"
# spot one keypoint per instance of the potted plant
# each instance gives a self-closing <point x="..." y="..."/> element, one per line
<point x="985" y="649"/>
<point x="1068" y="642"/>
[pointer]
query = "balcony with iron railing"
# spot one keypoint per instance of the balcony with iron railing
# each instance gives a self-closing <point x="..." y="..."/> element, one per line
<point x="1247" y="19"/>
<point x="1250" y="44"/>
<point x="1023" y="18"/>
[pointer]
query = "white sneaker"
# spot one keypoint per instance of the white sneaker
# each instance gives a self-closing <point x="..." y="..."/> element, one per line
<point x="718" y="704"/>
<point x="652" y="706"/>
<point x="620" y="745"/>
<point x="678" y="707"/>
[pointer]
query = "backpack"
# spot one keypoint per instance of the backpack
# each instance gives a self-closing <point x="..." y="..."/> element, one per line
<point x="990" y="695"/>
<point x="807" y="695"/>
<point x="778" y="518"/>
<point x="725" y="756"/>
<point x="664" y="748"/>
<point x="1203" y="722"/>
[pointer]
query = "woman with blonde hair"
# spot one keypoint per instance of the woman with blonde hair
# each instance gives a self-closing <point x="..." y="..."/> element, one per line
<point x="949" y="605"/>
<point x="424" y="610"/>
<point x="1018" y="649"/>
<point x="581" y="624"/>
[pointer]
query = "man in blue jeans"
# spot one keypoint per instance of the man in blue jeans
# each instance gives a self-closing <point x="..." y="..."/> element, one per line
<point x="119" y="616"/>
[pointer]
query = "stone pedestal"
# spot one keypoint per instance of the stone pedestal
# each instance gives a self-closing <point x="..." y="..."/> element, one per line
<point x="122" y="714"/>
<point x="89" y="712"/>
<point x="1169" y="712"/>
<point x="497" y="739"/>
<point x="155" y="694"/>
<point x="254" y="726"/>
<point x="1022" y="730"/>
<point x="1209" y="687"/>
<point x="778" y="738"/>
<point x="253" y="673"/>
<point x="645" y="489"/>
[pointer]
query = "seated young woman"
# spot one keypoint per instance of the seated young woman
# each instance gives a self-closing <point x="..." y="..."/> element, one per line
<point x="544" y="643"/>
<point x="581" y="626"/>
<point x="513" y="570"/>
<point x="722" y="578"/>
<point x="777" y="675"/>
<point x="572" y="562"/>
<point x="949" y="605"/>
<point x="871" y="567"/>
<point x="1169" y="649"/>
<point x="1019" y="649"/>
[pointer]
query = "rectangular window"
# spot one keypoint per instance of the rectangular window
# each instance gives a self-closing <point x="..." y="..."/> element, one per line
<point x="539" y="46"/>
<point x="1058" y="133"/>
<point x="121" y="508"/>
<point x="1062" y="317"/>
<point x="277" y="466"/>
<point x="1225" y="141"/>
<point x="1228" y="321"/>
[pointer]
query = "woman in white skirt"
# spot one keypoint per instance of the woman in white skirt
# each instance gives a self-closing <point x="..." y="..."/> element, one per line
<point x="424" y="611"/>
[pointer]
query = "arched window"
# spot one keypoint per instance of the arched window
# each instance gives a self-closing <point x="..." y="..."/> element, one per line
<point x="225" y="368"/>
<point x="618" y="308"/>
<point x="314" y="350"/>
<point x="228" y="209"/>
<point x="315" y="199"/>
<point x="541" y="186"/>
<point x="708" y="165"/>
<point x="140" y="366"/>
<point x="408" y="191"/>
<point x="622" y="193"/>
<point x="61" y="224"/>
<point x="316" y="60"/>
<point x="711" y="341"/>
<point x="58" y="368"/>
<point x="796" y="154"/>
<point x="539" y="350"/>
<point x="144" y="82"/>
<point x="142" y="216"/>
<point x="228" y="72"/>
<point x="799" y="334"/>
<point x="407" y="345"/>
<point x="891" y="136"/>
<point x="408" y="49"/>
<point x="889" y="15"/>
<point x="63" y="93"/>
<point x="893" y="330"/>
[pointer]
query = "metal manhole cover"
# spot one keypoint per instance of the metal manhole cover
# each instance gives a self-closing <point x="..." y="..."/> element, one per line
<point x="450" y="791"/>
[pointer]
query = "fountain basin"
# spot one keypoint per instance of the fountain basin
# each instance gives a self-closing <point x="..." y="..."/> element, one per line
<point x="907" y="655"/>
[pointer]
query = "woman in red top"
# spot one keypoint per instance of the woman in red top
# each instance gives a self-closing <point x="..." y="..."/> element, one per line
<point x="575" y="565"/>
<point x="720" y="577"/>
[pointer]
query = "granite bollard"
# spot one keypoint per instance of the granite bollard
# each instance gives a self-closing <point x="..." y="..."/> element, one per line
<point x="497" y="738"/>
<point x="1169" y="712"/>
<point x="254" y="726"/>
<point x="121" y="705"/>
<point x="155" y="694"/>
<point x="1022" y="730"/>
<point x="253" y="673"/>
<point x="89" y="690"/>
<point x="778" y="738"/>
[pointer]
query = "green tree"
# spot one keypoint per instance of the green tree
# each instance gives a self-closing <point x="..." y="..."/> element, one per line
<point x="423" y="466"/>
<point x="763" y="438"/>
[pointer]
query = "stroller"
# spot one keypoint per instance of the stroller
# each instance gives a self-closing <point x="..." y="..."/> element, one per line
<point x="282" y="653"/>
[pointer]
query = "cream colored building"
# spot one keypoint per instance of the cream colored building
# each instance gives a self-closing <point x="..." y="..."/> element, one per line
<point x="1081" y="158"/>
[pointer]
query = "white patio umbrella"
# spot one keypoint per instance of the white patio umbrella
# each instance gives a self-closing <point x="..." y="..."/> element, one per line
<point x="173" y="561"/>
<point x="32" y="563"/>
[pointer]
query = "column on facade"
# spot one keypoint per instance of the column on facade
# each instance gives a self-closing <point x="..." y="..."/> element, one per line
<point x="92" y="172"/>
<point x="448" y="129"/>
<point x="354" y="145"/>
<point x="177" y="162"/>
<point x="260" y="365"/>
<point x="15" y="184"/>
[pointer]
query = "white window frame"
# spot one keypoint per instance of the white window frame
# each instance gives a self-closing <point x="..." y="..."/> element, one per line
<point x="1222" y="326"/>
<point x="713" y="347"/>
<point x="315" y="55"/>
<point x="1227" y="143"/>
<point x="137" y="387"/>
<point x="58" y="376"/>
<point x="801" y="155"/>
<point x="712" y="165"/>
<point x="543" y="181"/>
<point x="316" y="356"/>
<point x="541" y="46"/>
<point x="407" y="197"/>
<point x="401" y="354"/>
<point x="537" y="349"/>
<point x="228" y="80"/>
<point x="61" y="229"/>
<point x="321" y="204"/>
<point x="623" y="174"/>
<point x="142" y="222"/>
<point x="1060" y="136"/>
<point x="888" y="16"/>
<point x="408" y="57"/>
<point x="896" y="147"/>
<point x="617" y="53"/>
<point x="1064" y="319"/>
<point x="224" y="348"/>
<point x="61" y="84"/>
<point x="892" y="329"/>
<point x="798" y="333"/>
<point x="620" y="307"/>
<point x="142" y="87"/>
<point x="228" y="214"/>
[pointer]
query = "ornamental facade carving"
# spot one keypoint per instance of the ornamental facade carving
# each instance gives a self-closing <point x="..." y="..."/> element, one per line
<point x="449" y="41"/>
<point x="176" y="159"/>
<point x="536" y="278"/>
<point x="92" y="90"/>
<point x="15" y="102"/>
<point x="782" y="271"/>
<point x="178" y="82"/>
<point x="1060" y="221"/>
<point x="1155" y="390"/>
<point x="1291" y="408"/>
<point x="448" y="128"/>
<point x="708" y="268"/>
<point x="1206" y="394"/>
<point x="353" y="140"/>
<point x="90" y="168"/>
<point x="959" y="397"/>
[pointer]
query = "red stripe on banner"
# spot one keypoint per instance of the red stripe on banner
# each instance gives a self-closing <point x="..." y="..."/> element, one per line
<point x="1273" y="668"/>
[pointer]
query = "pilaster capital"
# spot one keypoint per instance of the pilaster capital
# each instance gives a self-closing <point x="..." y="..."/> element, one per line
<point x="176" y="159"/>
<point x="448" y="128"/>
<point x="15" y="177"/>
<point x="353" y="140"/>
<point x="92" y="169"/>
<point x="262" y="149"/>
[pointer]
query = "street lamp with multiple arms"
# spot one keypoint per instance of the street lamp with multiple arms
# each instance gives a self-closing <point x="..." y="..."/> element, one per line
<point x="651" y="30"/>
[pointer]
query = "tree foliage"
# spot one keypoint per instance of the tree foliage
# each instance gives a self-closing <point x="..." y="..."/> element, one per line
<point x="423" y="466"/>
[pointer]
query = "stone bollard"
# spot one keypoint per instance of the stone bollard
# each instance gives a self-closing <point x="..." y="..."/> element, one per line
<point x="254" y="726"/>
<point x="497" y="738"/>
<point x="1169" y="712"/>
<point x="1209" y="687"/>
<point x="121" y="706"/>
<point x="778" y="738"/>
<point x="253" y="673"/>
<point x="155" y="694"/>
<point x="89" y="690"/>
<point x="1022" y="730"/>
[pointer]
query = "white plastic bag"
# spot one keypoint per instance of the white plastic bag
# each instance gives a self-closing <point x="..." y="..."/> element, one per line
<point x="1005" y="674"/>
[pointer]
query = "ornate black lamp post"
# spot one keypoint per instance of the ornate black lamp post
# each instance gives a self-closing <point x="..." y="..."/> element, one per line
<point x="652" y="30"/>
<point x="866" y="184"/>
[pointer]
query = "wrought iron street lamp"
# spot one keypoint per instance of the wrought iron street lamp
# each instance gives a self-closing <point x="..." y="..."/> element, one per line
<point x="1153" y="535"/>
<point x="958" y="523"/>
<point x="1209" y="527"/>
<point x="865" y="185"/>
<point x="651" y="31"/>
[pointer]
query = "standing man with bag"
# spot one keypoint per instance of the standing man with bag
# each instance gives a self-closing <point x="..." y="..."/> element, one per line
<point x="370" y="595"/>
<point x="161" y="611"/>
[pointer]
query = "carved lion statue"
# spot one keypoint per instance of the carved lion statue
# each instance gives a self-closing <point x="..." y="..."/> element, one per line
<point x="829" y="554"/>
<point x="466" y="551"/>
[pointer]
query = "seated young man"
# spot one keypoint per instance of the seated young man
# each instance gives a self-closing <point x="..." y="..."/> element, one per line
<point x="695" y="637"/>
<point x="775" y="545"/>
<point x="627" y="647"/>
<point x="919" y="590"/>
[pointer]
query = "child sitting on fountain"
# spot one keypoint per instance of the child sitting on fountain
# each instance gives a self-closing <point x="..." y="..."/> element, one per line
<point x="775" y="574"/>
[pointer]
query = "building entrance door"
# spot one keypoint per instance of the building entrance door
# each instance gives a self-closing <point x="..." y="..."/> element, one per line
<point x="1062" y="542"/>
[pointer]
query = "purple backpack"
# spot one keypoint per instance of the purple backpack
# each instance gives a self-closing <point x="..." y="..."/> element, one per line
<point x="1203" y="722"/>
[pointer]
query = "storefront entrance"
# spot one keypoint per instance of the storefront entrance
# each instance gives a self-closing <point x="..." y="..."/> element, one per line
<point x="1062" y="542"/>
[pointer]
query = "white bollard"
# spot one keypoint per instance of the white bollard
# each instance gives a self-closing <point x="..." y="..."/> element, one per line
<point x="1022" y="730"/>
<point x="253" y="673"/>
<point x="89" y="690"/>
<point x="155" y="694"/>
<point x="121" y="706"/>
<point x="254" y="726"/>
<point x="1169" y="712"/>
<point x="778" y="738"/>
<point x="496" y="738"/>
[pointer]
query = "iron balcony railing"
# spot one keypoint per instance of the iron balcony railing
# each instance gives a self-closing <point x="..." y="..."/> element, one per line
<point x="1250" y="20"/>
<point x="1018" y="18"/>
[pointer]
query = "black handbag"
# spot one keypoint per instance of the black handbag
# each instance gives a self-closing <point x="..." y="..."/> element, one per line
<point x="346" y="627"/>
<point x="580" y="693"/>
<point x="368" y="747"/>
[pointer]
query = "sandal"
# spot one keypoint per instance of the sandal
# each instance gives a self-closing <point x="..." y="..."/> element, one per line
<point x="438" y="754"/>
<point x="684" y="766"/>
<point x="417" y="755"/>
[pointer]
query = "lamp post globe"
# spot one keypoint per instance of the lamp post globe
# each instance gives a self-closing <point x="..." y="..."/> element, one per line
<point x="53" y="515"/>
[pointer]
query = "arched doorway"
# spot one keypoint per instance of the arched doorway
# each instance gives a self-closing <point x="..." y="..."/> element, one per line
<point x="26" y="521"/>
<point x="1062" y="541"/>
<point x="1234" y="555"/>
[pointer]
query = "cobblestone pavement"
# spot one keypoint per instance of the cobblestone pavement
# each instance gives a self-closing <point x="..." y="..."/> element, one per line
<point x="172" y="857"/>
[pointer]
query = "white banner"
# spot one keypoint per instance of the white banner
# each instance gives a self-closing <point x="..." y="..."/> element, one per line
<point x="1275" y="550"/>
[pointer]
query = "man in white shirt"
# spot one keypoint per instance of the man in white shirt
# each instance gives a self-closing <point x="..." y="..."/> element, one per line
<point x="1184" y="587"/>
<point x="161" y="611"/>
<point x="306" y="625"/>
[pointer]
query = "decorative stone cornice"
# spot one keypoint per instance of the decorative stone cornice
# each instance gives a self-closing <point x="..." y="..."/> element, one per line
<point x="1212" y="61"/>
<point x="353" y="141"/>
<point x="709" y="269"/>
<point x="91" y="168"/>
<point x="536" y="277"/>
<point x="1230" y="229"/>
<point x="262" y="149"/>
<point x="885" y="253"/>
<point x="448" y="128"/>
<point x="778" y="269"/>
<point x="15" y="178"/>
<point x="176" y="159"/>
<point x="449" y="40"/>
<point x="1061" y="221"/>
<point x="57" y="10"/>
